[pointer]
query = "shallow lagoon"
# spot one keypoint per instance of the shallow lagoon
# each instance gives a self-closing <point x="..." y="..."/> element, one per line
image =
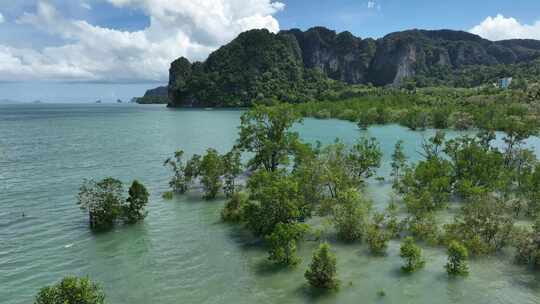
<point x="182" y="253"/>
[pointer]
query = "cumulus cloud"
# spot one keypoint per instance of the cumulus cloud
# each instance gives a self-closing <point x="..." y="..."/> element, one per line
<point x="500" y="28"/>
<point x="92" y="53"/>
<point x="2" y="19"/>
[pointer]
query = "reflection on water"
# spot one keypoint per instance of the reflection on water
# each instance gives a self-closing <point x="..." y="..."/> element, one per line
<point x="182" y="253"/>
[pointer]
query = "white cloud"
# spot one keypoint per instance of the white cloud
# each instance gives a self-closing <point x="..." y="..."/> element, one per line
<point x="92" y="53"/>
<point x="2" y="19"/>
<point x="86" y="6"/>
<point x="500" y="28"/>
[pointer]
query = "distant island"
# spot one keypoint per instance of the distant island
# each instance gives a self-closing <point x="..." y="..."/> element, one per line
<point x="159" y="95"/>
<point x="8" y="101"/>
<point x="298" y="66"/>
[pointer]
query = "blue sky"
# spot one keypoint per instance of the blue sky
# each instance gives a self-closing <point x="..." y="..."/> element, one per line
<point x="108" y="49"/>
<point x="394" y="15"/>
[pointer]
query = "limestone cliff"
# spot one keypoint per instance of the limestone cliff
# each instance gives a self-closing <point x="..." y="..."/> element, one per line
<point x="294" y="65"/>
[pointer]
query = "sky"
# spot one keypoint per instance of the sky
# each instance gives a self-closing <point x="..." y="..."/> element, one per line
<point x="84" y="50"/>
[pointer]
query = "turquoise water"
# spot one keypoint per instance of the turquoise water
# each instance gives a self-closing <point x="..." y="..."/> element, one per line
<point x="182" y="253"/>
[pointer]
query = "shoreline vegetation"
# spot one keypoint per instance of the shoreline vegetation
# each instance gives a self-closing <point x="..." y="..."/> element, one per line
<point x="291" y="181"/>
<point x="288" y="182"/>
<point x="421" y="108"/>
<point x="438" y="108"/>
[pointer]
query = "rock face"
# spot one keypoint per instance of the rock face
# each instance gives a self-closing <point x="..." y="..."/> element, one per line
<point x="261" y="63"/>
<point x="404" y="54"/>
<point x="340" y="56"/>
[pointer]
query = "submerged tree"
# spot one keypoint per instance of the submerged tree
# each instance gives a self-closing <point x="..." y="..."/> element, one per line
<point x="282" y="242"/>
<point x="412" y="254"/>
<point x="232" y="168"/>
<point x="322" y="270"/>
<point x="399" y="162"/>
<point x="136" y="202"/>
<point x="476" y="166"/>
<point x="265" y="132"/>
<point x="178" y="182"/>
<point x="377" y="239"/>
<point x="71" y="290"/>
<point x="517" y="130"/>
<point x="211" y="170"/>
<point x="350" y="216"/>
<point x="234" y="208"/>
<point x="364" y="157"/>
<point x="337" y="177"/>
<point x="428" y="186"/>
<point x="483" y="225"/>
<point x="344" y="168"/>
<point x="457" y="259"/>
<point x="309" y="172"/>
<point x="528" y="247"/>
<point x="275" y="198"/>
<point x="103" y="200"/>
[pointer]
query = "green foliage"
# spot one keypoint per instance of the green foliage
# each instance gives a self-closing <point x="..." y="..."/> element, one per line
<point x="457" y="259"/>
<point x="264" y="131"/>
<point x="476" y="165"/>
<point x="192" y="169"/>
<point x="393" y="225"/>
<point x="309" y="172"/>
<point x="474" y="75"/>
<point x="377" y="239"/>
<point x="336" y="174"/>
<point x="102" y="200"/>
<point x="399" y="163"/>
<point x="275" y="198"/>
<point x="211" y="169"/>
<point x="374" y="115"/>
<point x="232" y="168"/>
<point x="350" y="216"/>
<point x="152" y="100"/>
<point x="105" y="203"/>
<point x="257" y="65"/>
<point x="517" y="129"/>
<point x="415" y="118"/>
<point x="341" y="169"/>
<point x="179" y="181"/>
<point x="438" y="107"/>
<point x="71" y="290"/>
<point x="427" y="186"/>
<point x="136" y="202"/>
<point x="424" y="227"/>
<point x="412" y="255"/>
<point x="168" y="195"/>
<point x="528" y="247"/>
<point x="532" y="191"/>
<point x="282" y="242"/>
<point x="234" y="208"/>
<point x="365" y="157"/>
<point x="322" y="272"/>
<point x="482" y="226"/>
